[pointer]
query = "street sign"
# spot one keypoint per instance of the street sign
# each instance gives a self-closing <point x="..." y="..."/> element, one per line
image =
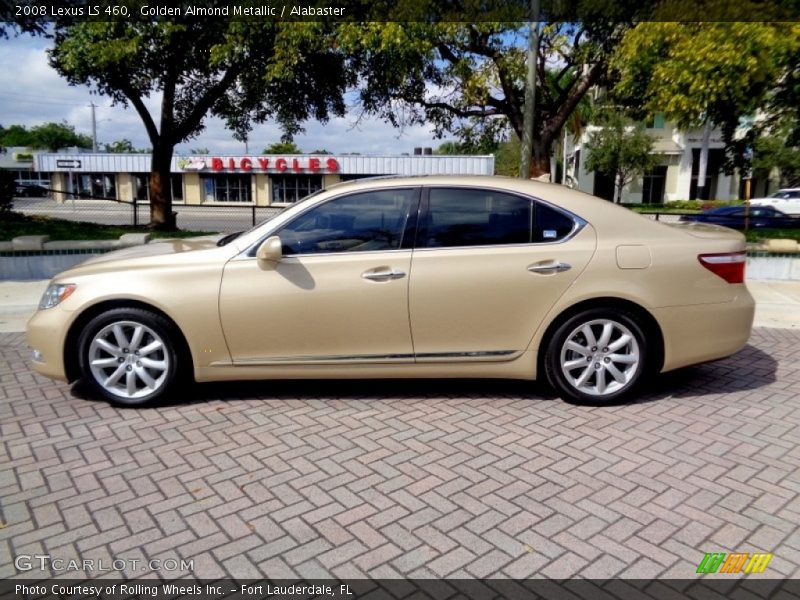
<point x="68" y="164"/>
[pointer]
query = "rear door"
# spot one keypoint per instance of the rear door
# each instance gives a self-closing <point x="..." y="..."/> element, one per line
<point x="486" y="269"/>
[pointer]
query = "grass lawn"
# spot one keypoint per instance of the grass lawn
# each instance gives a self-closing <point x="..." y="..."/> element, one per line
<point x="60" y="229"/>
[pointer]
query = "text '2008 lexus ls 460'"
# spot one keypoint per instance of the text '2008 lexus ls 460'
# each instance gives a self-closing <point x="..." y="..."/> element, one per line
<point x="423" y="277"/>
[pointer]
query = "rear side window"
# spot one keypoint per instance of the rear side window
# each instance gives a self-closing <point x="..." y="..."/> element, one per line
<point x="461" y="217"/>
<point x="550" y="225"/>
<point x="464" y="217"/>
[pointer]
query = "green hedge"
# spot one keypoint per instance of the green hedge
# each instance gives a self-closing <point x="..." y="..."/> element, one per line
<point x="682" y="205"/>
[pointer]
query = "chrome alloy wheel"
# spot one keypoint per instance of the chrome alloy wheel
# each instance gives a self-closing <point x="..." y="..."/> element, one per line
<point x="128" y="359"/>
<point x="600" y="357"/>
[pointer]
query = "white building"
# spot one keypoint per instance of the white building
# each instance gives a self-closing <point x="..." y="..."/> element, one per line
<point x="260" y="180"/>
<point x="674" y="177"/>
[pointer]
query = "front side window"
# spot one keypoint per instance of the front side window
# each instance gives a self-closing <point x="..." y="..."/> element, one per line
<point x="368" y="221"/>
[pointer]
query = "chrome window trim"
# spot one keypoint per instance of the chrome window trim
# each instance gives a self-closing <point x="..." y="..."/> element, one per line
<point x="578" y="223"/>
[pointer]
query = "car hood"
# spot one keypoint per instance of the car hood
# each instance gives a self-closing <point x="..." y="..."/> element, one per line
<point x="172" y="246"/>
<point x="172" y="252"/>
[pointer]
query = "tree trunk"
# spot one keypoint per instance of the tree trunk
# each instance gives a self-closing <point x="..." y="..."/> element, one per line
<point x="161" y="215"/>
<point x="540" y="161"/>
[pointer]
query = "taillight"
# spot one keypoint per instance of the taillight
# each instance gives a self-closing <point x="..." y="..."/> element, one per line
<point x="728" y="265"/>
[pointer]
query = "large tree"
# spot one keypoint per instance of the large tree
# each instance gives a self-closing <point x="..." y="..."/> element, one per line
<point x="47" y="136"/>
<point x="468" y="78"/>
<point x="243" y="71"/>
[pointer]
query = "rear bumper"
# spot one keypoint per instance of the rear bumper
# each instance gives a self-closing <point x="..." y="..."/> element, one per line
<point x="703" y="332"/>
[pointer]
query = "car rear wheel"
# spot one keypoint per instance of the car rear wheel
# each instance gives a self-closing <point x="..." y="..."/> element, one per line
<point x="129" y="356"/>
<point x="597" y="357"/>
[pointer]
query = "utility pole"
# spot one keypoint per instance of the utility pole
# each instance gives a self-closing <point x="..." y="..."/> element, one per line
<point x="94" y="129"/>
<point x="526" y="147"/>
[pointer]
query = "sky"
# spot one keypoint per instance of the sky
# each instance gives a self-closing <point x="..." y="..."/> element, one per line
<point x="31" y="93"/>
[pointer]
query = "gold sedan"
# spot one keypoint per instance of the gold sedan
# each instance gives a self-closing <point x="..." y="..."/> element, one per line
<point x="414" y="277"/>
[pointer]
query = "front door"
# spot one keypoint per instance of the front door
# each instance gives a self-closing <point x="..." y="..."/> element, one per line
<point x="340" y="292"/>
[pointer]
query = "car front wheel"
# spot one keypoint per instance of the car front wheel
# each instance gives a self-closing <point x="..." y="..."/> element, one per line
<point x="597" y="357"/>
<point x="129" y="356"/>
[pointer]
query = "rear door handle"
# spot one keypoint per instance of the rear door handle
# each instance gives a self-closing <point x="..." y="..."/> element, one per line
<point x="382" y="274"/>
<point x="547" y="268"/>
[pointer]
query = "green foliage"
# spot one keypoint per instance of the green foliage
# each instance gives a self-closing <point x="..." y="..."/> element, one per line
<point x="711" y="71"/>
<point x="124" y="146"/>
<point x="506" y="158"/>
<point x="7" y="187"/>
<point x="775" y="149"/>
<point x="47" y="136"/>
<point x="468" y="79"/>
<point x="620" y="150"/>
<point x="681" y="205"/>
<point x="282" y="148"/>
<point x="202" y="151"/>
<point x="243" y="71"/>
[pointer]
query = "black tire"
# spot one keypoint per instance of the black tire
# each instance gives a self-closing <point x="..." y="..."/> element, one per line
<point x="154" y="373"/>
<point x="609" y="376"/>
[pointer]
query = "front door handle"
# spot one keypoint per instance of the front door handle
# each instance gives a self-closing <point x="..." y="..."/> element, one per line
<point x="550" y="267"/>
<point x="382" y="274"/>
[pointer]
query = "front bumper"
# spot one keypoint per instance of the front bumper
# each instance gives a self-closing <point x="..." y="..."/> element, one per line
<point x="46" y="333"/>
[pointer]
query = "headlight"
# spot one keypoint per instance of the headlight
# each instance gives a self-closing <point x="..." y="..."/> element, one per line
<point x="55" y="294"/>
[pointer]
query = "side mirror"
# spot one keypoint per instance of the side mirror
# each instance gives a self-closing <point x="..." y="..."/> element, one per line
<point x="270" y="250"/>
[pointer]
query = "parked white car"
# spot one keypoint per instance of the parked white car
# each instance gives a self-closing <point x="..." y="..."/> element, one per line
<point x="786" y="200"/>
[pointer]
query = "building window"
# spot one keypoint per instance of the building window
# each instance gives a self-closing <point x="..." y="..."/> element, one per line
<point x="292" y="188"/>
<point x="227" y="188"/>
<point x="656" y="122"/>
<point x="654" y="184"/>
<point x="31" y="178"/>
<point x="97" y="185"/>
<point x="141" y="184"/>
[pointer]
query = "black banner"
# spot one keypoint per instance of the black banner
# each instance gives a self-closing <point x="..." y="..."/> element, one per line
<point x="734" y="587"/>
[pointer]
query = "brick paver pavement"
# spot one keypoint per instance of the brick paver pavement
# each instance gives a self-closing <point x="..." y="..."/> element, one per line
<point x="419" y="478"/>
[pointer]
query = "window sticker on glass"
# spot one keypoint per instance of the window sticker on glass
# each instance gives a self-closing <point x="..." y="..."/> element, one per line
<point x="549" y="234"/>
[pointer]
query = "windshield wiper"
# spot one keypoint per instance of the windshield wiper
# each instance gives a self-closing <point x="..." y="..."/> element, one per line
<point x="229" y="238"/>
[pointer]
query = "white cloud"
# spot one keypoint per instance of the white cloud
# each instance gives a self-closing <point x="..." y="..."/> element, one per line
<point x="31" y="92"/>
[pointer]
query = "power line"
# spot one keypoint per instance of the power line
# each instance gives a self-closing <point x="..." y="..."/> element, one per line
<point x="41" y="100"/>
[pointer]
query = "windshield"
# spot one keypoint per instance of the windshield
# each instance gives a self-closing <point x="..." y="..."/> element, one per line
<point x="232" y="236"/>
